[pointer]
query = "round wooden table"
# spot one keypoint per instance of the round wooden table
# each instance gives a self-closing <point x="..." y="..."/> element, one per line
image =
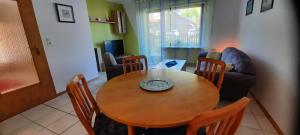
<point x="122" y="100"/>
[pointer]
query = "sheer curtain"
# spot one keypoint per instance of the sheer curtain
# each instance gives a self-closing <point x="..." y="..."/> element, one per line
<point x="164" y="24"/>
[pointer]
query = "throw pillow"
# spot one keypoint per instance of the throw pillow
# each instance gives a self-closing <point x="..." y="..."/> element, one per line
<point x="228" y="67"/>
<point x="214" y="55"/>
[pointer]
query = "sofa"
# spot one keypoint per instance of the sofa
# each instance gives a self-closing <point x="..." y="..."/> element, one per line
<point x="241" y="78"/>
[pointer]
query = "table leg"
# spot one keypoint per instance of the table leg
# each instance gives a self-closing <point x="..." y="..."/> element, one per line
<point x="131" y="130"/>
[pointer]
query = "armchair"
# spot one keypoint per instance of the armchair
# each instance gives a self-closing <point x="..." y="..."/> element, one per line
<point x="113" y="67"/>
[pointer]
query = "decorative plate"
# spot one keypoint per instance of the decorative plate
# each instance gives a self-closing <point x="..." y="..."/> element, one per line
<point x="157" y="84"/>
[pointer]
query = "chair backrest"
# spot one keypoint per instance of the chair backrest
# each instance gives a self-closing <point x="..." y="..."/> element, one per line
<point x="224" y="121"/>
<point x="210" y="69"/>
<point x="83" y="102"/>
<point x="134" y="63"/>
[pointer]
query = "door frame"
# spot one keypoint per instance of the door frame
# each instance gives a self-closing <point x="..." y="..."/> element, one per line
<point x="15" y="102"/>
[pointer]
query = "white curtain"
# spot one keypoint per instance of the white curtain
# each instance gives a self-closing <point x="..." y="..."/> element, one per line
<point x="168" y="24"/>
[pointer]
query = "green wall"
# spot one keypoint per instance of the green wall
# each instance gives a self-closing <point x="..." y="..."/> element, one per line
<point x="102" y="31"/>
<point x="131" y="41"/>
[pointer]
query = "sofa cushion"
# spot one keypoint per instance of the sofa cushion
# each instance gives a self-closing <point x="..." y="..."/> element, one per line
<point x="213" y="55"/>
<point x="109" y="59"/>
<point x="236" y="85"/>
<point x="241" y="61"/>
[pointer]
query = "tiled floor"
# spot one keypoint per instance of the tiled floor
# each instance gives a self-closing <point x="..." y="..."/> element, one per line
<point x="57" y="117"/>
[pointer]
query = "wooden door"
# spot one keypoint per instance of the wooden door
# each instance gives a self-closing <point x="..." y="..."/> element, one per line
<point x="18" y="99"/>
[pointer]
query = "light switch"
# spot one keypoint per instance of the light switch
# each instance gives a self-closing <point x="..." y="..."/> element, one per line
<point x="48" y="41"/>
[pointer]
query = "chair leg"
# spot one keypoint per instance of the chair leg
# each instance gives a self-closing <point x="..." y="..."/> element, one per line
<point x="131" y="130"/>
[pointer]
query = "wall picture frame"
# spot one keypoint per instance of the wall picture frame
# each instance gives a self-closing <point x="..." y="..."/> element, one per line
<point x="249" y="7"/>
<point x="64" y="13"/>
<point x="266" y="5"/>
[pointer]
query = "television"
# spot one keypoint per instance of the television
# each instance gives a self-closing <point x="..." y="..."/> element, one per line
<point x="115" y="47"/>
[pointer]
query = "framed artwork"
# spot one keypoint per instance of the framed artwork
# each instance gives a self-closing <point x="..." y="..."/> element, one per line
<point x="249" y="8"/>
<point x="64" y="13"/>
<point x="266" y="5"/>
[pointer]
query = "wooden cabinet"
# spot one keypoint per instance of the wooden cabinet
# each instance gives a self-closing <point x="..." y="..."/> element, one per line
<point x="120" y="22"/>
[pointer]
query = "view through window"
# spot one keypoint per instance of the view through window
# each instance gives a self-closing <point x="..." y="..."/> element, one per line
<point x="174" y="28"/>
<point x="181" y="27"/>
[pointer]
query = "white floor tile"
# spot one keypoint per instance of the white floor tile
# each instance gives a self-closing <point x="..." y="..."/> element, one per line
<point x="63" y="124"/>
<point x="250" y="121"/>
<point x="10" y="125"/>
<point x="271" y="133"/>
<point x="38" y="112"/>
<point x="247" y="110"/>
<point x="61" y="97"/>
<point x="101" y="79"/>
<point x="60" y="103"/>
<point x="248" y="131"/>
<point x="77" y="129"/>
<point x="29" y="129"/>
<point x="73" y="113"/>
<point x="50" y="118"/>
<point x="93" y="87"/>
<point x="255" y="109"/>
<point x="68" y="108"/>
<point x="265" y="124"/>
<point x="45" y="131"/>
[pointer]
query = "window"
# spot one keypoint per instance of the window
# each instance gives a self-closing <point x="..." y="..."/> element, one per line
<point x="175" y="28"/>
<point x="164" y="26"/>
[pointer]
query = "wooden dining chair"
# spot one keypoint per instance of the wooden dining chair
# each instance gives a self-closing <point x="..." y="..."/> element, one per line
<point x="134" y="63"/>
<point x="209" y="68"/>
<point x="224" y="121"/>
<point x="85" y="107"/>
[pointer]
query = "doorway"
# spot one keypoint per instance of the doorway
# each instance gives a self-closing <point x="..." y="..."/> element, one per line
<point x="25" y="79"/>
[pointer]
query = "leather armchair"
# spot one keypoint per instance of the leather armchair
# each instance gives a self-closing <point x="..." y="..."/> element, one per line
<point x="113" y="67"/>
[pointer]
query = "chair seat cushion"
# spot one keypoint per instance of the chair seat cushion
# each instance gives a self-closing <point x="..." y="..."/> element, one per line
<point x="181" y="130"/>
<point x="105" y="126"/>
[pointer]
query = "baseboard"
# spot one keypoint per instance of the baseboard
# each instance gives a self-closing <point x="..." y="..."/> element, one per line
<point x="60" y="93"/>
<point x="93" y="79"/>
<point x="269" y="117"/>
<point x="65" y="91"/>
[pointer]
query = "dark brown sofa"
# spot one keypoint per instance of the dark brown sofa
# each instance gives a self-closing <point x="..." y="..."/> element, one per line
<point x="236" y="83"/>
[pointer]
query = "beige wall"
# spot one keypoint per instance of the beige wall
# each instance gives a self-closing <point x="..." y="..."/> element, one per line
<point x="269" y="38"/>
<point x="225" y="28"/>
<point x="71" y="49"/>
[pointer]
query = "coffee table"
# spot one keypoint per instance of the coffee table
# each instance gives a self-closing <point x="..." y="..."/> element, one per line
<point x="181" y="65"/>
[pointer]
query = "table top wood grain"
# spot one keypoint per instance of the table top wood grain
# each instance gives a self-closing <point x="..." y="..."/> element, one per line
<point x="122" y="100"/>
